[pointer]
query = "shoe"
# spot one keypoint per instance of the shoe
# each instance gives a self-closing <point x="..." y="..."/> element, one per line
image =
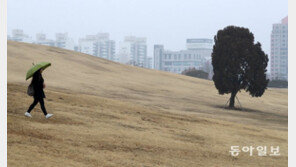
<point x="48" y="116"/>
<point x="28" y="115"/>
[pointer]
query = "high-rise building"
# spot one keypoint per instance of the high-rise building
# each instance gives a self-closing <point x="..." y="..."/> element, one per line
<point x="124" y="53"/>
<point x="18" y="35"/>
<point x="105" y="48"/>
<point x="87" y="45"/>
<point x="208" y="68"/>
<point x="150" y="63"/>
<point x="279" y="50"/>
<point x="98" y="45"/>
<point x="158" y="57"/>
<point x="76" y="48"/>
<point x="63" y="41"/>
<point x="133" y="51"/>
<point x="42" y="40"/>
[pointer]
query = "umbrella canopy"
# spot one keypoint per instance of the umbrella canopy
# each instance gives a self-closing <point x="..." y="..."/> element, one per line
<point x="32" y="70"/>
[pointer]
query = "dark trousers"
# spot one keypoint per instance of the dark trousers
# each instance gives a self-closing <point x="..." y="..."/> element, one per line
<point x="36" y="100"/>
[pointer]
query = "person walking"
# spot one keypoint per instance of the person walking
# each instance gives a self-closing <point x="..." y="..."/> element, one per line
<point x="38" y="85"/>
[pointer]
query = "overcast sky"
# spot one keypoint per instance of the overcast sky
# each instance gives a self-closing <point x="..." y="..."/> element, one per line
<point x="167" y="22"/>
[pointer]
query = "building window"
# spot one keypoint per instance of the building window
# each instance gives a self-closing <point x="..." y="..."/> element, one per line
<point x="168" y="63"/>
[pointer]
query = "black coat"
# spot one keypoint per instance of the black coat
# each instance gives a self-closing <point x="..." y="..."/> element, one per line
<point x="37" y="83"/>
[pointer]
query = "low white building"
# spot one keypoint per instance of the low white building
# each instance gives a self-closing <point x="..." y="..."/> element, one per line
<point x="199" y="43"/>
<point x="203" y="45"/>
<point x="197" y="55"/>
<point x="177" y="61"/>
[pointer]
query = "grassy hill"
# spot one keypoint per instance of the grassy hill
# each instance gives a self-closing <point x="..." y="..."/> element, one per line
<point x="109" y="114"/>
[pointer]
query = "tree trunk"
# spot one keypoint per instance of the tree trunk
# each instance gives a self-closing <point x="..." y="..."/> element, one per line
<point x="232" y="99"/>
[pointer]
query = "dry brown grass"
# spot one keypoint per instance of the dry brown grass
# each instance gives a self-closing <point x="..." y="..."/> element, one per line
<point x="108" y="114"/>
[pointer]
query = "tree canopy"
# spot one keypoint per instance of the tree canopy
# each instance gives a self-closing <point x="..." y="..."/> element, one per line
<point x="238" y="63"/>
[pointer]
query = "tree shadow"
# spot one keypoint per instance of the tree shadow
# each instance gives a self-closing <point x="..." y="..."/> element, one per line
<point x="248" y="110"/>
<point x="242" y="109"/>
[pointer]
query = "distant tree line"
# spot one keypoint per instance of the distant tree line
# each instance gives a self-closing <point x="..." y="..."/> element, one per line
<point x="193" y="72"/>
<point x="278" y="84"/>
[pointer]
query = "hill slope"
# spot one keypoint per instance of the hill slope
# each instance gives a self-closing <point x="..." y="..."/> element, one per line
<point x="111" y="114"/>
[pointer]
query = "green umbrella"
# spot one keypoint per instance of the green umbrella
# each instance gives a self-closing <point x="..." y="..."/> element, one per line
<point x="32" y="70"/>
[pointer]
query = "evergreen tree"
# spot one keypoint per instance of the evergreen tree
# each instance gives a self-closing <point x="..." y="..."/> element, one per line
<point x="238" y="63"/>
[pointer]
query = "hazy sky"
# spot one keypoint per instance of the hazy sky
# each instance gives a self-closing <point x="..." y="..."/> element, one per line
<point x="168" y="22"/>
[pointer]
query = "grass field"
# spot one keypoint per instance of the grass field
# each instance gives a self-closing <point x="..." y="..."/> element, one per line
<point x="109" y="114"/>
